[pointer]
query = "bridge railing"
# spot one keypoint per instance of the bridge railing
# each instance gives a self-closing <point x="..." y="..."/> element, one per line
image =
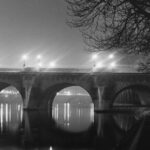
<point x="63" y="70"/>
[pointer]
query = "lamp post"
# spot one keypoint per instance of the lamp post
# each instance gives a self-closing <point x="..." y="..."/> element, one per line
<point x="39" y="65"/>
<point x="105" y="64"/>
<point x="112" y="65"/>
<point x="24" y="58"/>
<point x="52" y="64"/>
<point x="112" y="62"/>
<point x="94" y="58"/>
<point x="111" y="56"/>
<point x="38" y="57"/>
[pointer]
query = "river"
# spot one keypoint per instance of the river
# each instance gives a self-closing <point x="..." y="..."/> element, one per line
<point x="72" y="124"/>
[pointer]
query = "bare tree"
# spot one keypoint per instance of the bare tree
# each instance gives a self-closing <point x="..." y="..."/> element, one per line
<point x="143" y="65"/>
<point x="117" y="24"/>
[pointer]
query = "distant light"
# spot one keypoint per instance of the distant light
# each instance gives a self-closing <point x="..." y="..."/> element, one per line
<point x="39" y="64"/>
<point x="51" y="148"/>
<point x="6" y="95"/>
<point x="68" y="93"/>
<point x="99" y="65"/>
<point x="25" y="57"/>
<point x="112" y="65"/>
<point x="52" y="64"/>
<point x="111" y="56"/>
<point x="94" y="56"/>
<point x="39" y="57"/>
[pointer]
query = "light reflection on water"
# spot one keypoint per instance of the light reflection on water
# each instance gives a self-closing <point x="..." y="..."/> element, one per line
<point x="72" y="117"/>
<point x="73" y="126"/>
<point x="11" y="115"/>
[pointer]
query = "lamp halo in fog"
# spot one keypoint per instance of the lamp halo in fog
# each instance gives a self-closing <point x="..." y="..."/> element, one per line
<point x="52" y="64"/>
<point x="24" y="57"/>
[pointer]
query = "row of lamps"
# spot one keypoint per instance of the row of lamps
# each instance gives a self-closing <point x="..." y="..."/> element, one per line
<point x="39" y="59"/>
<point x="106" y="64"/>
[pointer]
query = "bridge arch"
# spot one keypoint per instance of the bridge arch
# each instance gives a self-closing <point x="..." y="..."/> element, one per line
<point x="4" y="85"/>
<point x="50" y="93"/>
<point x="141" y="92"/>
<point x="10" y="94"/>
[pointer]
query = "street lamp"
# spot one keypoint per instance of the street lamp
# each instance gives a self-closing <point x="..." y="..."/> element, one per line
<point x="107" y="62"/>
<point x="111" y="56"/>
<point x="99" y="65"/>
<point x="113" y="65"/>
<point x="112" y="62"/>
<point x="94" y="58"/>
<point x="39" y="57"/>
<point x="24" y="58"/>
<point x="52" y="64"/>
<point x="39" y="65"/>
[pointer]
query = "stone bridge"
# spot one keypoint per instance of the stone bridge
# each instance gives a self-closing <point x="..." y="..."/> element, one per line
<point x="38" y="89"/>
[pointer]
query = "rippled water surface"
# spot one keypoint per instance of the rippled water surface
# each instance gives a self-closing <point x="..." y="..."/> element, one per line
<point x="73" y="124"/>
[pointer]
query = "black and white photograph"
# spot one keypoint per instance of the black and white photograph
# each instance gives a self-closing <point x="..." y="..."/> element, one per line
<point x="74" y="74"/>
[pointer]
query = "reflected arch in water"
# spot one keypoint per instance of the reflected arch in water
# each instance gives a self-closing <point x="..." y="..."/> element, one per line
<point x="125" y="121"/>
<point x="136" y="95"/>
<point x="11" y="109"/>
<point x="72" y="109"/>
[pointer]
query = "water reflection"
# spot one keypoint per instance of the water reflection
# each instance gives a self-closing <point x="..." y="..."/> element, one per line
<point x="125" y="121"/>
<point x="72" y="117"/>
<point x="73" y="126"/>
<point x="39" y="130"/>
<point x="11" y="115"/>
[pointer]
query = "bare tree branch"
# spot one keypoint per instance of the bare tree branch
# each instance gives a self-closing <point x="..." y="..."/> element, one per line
<point x="112" y="24"/>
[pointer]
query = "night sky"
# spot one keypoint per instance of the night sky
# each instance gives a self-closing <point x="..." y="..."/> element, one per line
<point x="39" y="27"/>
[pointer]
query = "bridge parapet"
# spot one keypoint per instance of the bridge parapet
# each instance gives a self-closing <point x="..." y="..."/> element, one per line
<point x="126" y="77"/>
<point x="105" y="84"/>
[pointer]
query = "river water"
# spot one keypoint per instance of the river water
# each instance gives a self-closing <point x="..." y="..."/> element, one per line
<point x="72" y="124"/>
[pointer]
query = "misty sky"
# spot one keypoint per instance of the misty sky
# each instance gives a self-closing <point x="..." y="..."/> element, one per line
<point x="38" y="27"/>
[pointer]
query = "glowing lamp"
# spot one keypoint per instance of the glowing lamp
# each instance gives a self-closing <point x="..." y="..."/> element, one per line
<point x="40" y="64"/>
<point x="94" y="56"/>
<point x="52" y="64"/>
<point x="113" y="65"/>
<point x="99" y="65"/>
<point x="38" y="57"/>
<point x="111" y="56"/>
<point x="25" y="57"/>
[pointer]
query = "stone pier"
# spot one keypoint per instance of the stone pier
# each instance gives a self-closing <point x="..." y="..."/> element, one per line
<point x="27" y="82"/>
